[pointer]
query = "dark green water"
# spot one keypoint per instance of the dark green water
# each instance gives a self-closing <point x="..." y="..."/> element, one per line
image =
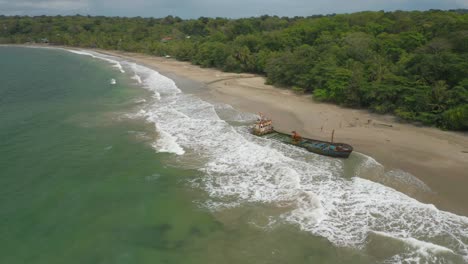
<point x="79" y="184"/>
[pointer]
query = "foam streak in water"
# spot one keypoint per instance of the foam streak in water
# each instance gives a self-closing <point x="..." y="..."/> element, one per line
<point x="159" y="85"/>
<point x="115" y="63"/>
<point x="136" y="77"/>
<point x="240" y="168"/>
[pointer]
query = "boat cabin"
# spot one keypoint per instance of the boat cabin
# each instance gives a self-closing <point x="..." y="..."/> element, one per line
<point x="263" y="126"/>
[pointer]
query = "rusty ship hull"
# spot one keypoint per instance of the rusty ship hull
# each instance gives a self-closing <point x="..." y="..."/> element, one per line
<point x="331" y="149"/>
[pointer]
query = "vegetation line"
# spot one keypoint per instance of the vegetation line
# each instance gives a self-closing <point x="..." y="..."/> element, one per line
<point x="411" y="64"/>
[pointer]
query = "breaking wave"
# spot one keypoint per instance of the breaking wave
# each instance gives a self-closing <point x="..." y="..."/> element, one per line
<point x="135" y="76"/>
<point x="115" y="63"/>
<point x="240" y="168"/>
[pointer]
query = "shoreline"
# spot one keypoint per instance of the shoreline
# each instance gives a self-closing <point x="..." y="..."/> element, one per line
<point x="434" y="156"/>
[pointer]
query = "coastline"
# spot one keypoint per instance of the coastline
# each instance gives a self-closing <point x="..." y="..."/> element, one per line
<point x="434" y="156"/>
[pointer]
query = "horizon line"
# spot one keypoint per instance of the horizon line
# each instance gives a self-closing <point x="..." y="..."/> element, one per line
<point x="255" y="16"/>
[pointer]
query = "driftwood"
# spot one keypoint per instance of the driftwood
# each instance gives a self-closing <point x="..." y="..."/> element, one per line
<point x="382" y="124"/>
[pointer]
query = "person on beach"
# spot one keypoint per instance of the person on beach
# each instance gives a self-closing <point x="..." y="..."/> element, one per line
<point x="296" y="137"/>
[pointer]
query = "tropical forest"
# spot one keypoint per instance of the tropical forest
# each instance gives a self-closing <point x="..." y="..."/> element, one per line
<point x="413" y="65"/>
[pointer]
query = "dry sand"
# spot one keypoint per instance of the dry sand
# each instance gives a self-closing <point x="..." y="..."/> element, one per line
<point x="438" y="158"/>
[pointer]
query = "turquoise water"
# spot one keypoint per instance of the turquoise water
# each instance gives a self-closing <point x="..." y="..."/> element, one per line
<point x="106" y="161"/>
<point x="80" y="184"/>
<point x="76" y="184"/>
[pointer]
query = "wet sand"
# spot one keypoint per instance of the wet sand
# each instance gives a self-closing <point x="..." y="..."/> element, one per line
<point x="438" y="158"/>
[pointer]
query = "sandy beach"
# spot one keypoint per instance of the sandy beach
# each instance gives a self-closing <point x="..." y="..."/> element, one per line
<point x="438" y="158"/>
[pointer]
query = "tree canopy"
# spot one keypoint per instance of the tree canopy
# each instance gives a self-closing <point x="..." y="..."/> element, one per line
<point x="411" y="64"/>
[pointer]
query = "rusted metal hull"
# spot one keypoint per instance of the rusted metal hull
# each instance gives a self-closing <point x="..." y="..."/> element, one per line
<point x="337" y="150"/>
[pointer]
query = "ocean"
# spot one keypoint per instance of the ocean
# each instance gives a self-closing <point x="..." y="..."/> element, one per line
<point x="103" y="160"/>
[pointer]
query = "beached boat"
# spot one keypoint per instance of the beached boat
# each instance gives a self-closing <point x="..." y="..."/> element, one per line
<point x="264" y="128"/>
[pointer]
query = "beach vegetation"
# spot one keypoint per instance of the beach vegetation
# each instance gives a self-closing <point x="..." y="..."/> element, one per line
<point x="410" y="64"/>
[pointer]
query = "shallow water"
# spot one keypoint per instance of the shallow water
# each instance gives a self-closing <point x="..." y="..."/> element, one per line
<point x="80" y="182"/>
<point x="158" y="174"/>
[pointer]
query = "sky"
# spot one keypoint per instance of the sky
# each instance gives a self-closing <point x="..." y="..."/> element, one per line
<point x="215" y="8"/>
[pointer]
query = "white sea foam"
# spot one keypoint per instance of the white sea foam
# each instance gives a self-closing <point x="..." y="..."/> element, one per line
<point x="116" y="64"/>
<point x="240" y="168"/>
<point x="159" y="85"/>
<point x="228" y="113"/>
<point x="153" y="177"/>
<point x="424" y="248"/>
<point x="369" y="166"/>
<point x="135" y="76"/>
<point x="417" y="251"/>
<point x="407" y="179"/>
<point x="167" y="143"/>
